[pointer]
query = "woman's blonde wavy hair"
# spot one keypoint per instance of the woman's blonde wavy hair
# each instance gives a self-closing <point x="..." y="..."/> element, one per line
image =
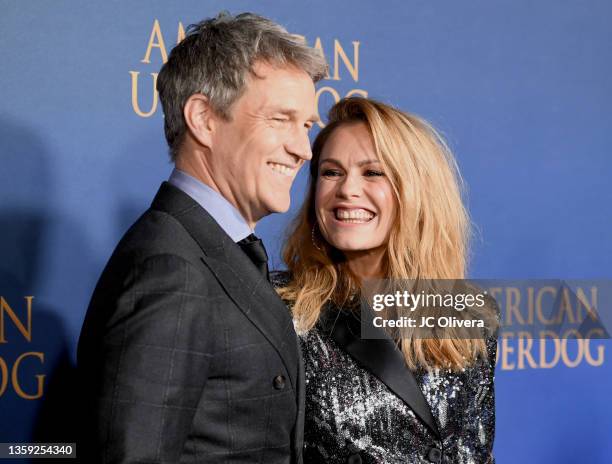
<point x="429" y="238"/>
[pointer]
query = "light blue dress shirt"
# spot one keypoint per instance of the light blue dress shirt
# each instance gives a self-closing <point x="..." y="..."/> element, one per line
<point x="221" y="210"/>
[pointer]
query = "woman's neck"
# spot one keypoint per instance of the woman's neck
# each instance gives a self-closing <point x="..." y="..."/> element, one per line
<point x="368" y="264"/>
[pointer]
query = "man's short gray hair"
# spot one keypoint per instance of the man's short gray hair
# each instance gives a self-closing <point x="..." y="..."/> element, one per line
<point x="215" y="59"/>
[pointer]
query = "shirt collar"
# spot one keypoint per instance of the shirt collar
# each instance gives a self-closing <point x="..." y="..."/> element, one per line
<point x="221" y="210"/>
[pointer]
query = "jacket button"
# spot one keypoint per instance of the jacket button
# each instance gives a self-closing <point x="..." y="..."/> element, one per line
<point x="354" y="459"/>
<point x="279" y="382"/>
<point x="434" y="455"/>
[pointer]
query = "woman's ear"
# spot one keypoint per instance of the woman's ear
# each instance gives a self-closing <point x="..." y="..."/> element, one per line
<point x="200" y="119"/>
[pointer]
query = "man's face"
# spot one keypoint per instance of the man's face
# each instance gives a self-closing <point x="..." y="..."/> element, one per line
<point x="256" y="155"/>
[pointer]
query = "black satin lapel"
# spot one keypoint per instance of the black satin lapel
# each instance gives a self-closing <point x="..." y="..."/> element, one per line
<point x="298" y="434"/>
<point x="382" y="358"/>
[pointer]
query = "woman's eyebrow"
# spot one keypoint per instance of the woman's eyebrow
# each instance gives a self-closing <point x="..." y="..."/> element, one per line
<point x="360" y="163"/>
<point x="331" y="160"/>
<point x="370" y="161"/>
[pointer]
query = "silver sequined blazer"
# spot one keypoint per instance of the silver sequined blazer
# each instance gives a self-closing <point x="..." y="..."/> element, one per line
<point x="363" y="405"/>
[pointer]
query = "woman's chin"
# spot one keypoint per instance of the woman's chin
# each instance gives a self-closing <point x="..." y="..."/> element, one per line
<point x="352" y="246"/>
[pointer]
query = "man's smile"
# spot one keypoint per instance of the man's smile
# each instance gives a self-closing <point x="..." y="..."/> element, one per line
<point x="284" y="169"/>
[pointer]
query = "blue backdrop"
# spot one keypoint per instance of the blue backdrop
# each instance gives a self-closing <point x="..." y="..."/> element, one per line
<point x="520" y="89"/>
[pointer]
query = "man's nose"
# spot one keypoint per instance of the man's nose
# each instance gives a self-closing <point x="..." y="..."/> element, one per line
<point x="299" y="144"/>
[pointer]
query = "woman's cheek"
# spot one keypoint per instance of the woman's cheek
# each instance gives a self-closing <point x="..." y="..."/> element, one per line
<point x="386" y="204"/>
<point x="320" y="206"/>
<point x="383" y="199"/>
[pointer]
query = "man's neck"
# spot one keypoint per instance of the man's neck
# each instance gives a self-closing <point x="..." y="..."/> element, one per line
<point x="196" y="166"/>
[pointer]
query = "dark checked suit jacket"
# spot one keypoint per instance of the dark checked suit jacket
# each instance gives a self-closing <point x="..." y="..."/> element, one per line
<point x="186" y="353"/>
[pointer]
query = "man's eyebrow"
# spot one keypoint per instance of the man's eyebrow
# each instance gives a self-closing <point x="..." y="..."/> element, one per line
<point x="290" y="112"/>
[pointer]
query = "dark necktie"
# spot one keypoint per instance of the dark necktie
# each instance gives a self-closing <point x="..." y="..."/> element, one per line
<point x="255" y="250"/>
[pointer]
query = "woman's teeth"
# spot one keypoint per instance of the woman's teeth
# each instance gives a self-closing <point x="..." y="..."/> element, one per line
<point x="353" y="216"/>
<point x="282" y="169"/>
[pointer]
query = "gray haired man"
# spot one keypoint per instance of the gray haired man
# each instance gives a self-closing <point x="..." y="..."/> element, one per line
<point x="186" y="353"/>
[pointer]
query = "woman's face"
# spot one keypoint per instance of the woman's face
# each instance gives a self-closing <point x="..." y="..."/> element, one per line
<point x="354" y="200"/>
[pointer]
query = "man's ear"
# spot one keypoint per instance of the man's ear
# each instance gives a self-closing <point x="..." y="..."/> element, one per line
<point x="200" y="118"/>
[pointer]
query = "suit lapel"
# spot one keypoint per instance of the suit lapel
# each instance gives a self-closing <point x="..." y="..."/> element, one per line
<point x="254" y="296"/>
<point x="241" y="280"/>
<point x="380" y="357"/>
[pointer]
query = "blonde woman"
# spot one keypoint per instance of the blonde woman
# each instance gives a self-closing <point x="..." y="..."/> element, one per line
<point x="383" y="201"/>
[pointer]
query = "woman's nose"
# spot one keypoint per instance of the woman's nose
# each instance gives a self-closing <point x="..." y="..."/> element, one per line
<point x="350" y="186"/>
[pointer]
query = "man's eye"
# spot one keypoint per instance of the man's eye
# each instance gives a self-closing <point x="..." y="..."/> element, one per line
<point x="373" y="173"/>
<point x="280" y="119"/>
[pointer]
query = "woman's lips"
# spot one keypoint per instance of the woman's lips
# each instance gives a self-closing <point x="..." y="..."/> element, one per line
<point x="353" y="215"/>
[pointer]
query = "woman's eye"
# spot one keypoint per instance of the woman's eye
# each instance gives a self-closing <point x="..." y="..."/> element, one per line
<point x="373" y="173"/>
<point x="330" y="173"/>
